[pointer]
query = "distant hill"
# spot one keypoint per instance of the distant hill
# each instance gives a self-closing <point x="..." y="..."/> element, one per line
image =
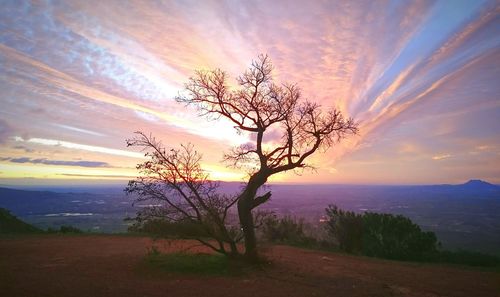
<point x="103" y="212"/>
<point x="27" y="203"/>
<point x="465" y="216"/>
<point x="479" y="185"/>
<point x="9" y="224"/>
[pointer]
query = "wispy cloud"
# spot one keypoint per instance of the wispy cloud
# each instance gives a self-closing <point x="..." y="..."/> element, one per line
<point x="75" y="129"/>
<point x="5" y="131"/>
<point x="441" y="157"/>
<point x="71" y="145"/>
<point x="56" y="162"/>
<point x="83" y="75"/>
<point x="98" y="175"/>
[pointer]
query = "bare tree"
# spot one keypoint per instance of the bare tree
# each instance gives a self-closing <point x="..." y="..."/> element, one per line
<point x="258" y="106"/>
<point x="179" y="190"/>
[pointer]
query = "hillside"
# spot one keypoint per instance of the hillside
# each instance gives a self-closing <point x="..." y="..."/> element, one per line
<point x="114" y="266"/>
<point x="9" y="224"/>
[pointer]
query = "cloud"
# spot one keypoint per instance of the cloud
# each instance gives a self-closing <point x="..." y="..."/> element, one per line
<point x="82" y="75"/>
<point x="71" y="128"/>
<point x="25" y="149"/>
<point x="97" y="175"/>
<point x="441" y="157"/>
<point x="5" y="131"/>
<point x="484" y="147"/>
<point x="78" y="146"/>
<point x="44" y="161"/>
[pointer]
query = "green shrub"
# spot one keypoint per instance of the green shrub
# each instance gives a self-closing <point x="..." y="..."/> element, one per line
<point x="380" y="235"/>
<point x="286" y="230"/>
<point x="346" y="227"/>
<point x="396" y="237"/>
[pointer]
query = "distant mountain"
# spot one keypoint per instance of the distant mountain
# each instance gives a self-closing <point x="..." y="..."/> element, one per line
<point x="463" y="216"/>
<point x="477" y="184"/>
<point x="88" y="211"/>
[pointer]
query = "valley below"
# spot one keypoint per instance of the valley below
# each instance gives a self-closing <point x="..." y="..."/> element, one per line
<point x="463" y="216"/>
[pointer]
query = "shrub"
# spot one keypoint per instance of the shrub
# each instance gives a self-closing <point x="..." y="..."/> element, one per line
<point x="346" y="227"/>
<point x="286" y="230"/>
<point x="65" y="229"/>
<point x="169" y="229"/>
<point x="380" y="235"/>
<point x="396" y="237"/>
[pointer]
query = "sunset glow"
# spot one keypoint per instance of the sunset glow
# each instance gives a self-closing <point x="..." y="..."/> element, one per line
<point x="77" y="78"/>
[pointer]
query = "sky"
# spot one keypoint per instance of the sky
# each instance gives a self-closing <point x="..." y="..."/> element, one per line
<point x="422" y="79"/>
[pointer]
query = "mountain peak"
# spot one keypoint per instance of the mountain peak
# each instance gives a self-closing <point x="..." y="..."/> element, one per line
<point x="477" y="183"/>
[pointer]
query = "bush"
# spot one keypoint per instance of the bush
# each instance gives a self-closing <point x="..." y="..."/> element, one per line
<point x="396" y="237"/>
<point x="65" y="229"/>
<point x="286" y="230"/>
<point x="380" y="235"/>
<point x="169" y="229"/>
<point x="346" y="227"/>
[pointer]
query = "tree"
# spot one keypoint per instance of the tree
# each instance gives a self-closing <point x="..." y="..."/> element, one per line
<point x="260" y="106"/>
<point x="380" y="235"/>
<point x="178" y="190"/>
<point x="346" y="227"/>
<point x="397" y="237"/>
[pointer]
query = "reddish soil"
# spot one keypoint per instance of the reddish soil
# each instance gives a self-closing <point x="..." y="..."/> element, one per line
<point x="111" y="266"/>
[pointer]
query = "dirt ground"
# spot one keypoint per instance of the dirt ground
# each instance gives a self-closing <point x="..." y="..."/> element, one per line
<point x="111" y="266"/>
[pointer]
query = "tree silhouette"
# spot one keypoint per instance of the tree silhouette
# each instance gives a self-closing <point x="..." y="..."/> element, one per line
<point x="260" y="106"/>
<point x="182" y="192"/>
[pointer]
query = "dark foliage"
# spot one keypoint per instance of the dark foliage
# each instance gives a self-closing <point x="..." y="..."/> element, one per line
<point x="10" y="224"/>
<point x="286" y="230"/>
<point x="396" y="237"/>
<point x="346" y="227"/>
<point x="65" y="229"/>
<point x="381" y="235"/>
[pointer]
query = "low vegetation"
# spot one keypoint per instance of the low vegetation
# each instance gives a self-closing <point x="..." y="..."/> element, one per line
<point x="194" y="263"/>
<point x="370" y="234"/>
<point x="10" y="224"/>
<point x="286" y="230"/>
<point x="394" y="237"/>
<point x="380" y="235"/>
<point x="169" y="229"/>
<point x="65" y="229"/>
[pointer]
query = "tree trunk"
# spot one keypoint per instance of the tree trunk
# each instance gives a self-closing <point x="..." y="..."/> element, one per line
<point x="245" y="205"/>
<point x="246" y="221"/>
<point x="234" y="249"/>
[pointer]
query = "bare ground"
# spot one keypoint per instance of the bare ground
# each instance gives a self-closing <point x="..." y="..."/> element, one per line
<point x="111" y="266"/>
